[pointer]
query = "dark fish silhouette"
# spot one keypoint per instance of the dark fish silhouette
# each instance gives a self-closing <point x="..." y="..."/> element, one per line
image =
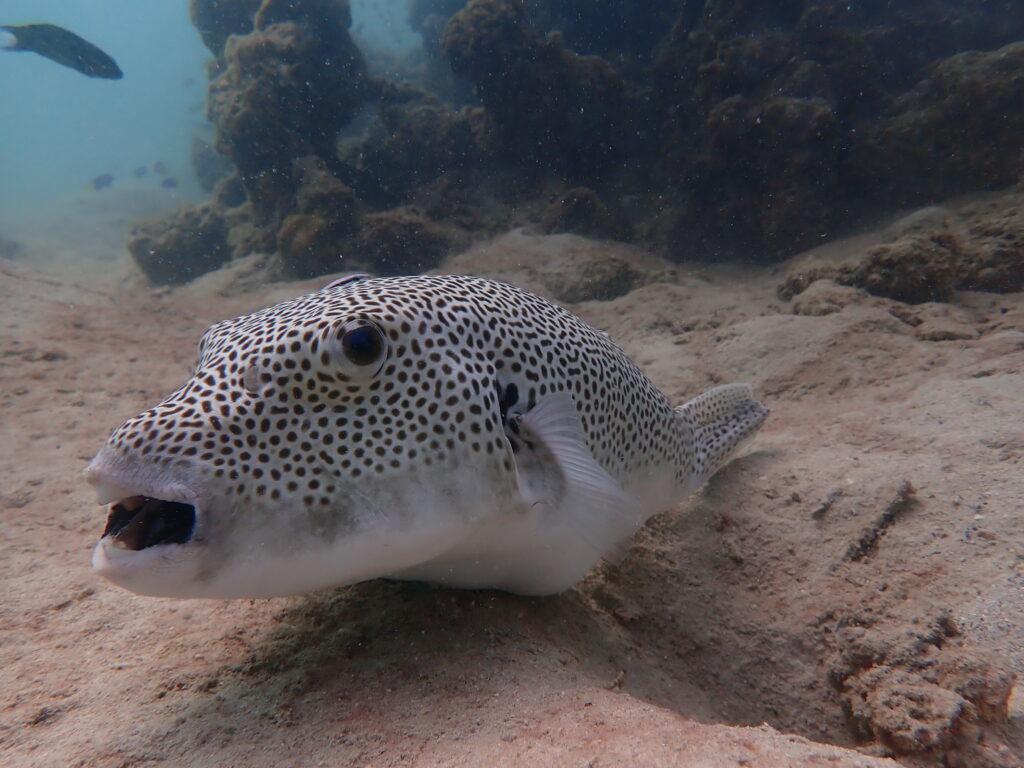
<point x="169" y="183"/>
<point x="141" y="171"/>
<point x="64" y="47"/>
<point x="102" y="181"/>
<point x="160" y="168"/>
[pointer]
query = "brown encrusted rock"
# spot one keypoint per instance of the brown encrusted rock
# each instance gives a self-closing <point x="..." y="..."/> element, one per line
<point x="307" y="245"/>
<point x="940" y="322"/>
<point x="548" y="105"/>
<point x="915" y="718"/>
<point x="311" y="241"/>
<point x="994" y="259"/>
<point x="913" y="269"/>
<point x="209" y="166"/>
<point x="581" y="211"/>
<point x="764" y="177"/>
<point x="976" y="247"/>
<point x="182" y="245"/>
<point x="824" y="297"/>
<point x="401" y="241"/>
<point x="285" y="91"/>
<point x="415" y="139"/>
<point x="322" y="194"/>
<point x="928" y="148"/>
<point x="600" y="279"/>
<point x="216" y="20"/>
<point x="568" y="268"/>
<point x="921" y="691"/>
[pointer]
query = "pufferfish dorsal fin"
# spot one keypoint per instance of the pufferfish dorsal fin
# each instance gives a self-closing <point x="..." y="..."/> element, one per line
<point x="347" y="279"/>
<point x="563" y="483"/>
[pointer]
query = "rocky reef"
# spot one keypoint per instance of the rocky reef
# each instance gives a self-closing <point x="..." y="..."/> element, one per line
<point x="700" y="129"/>
<point x="979" y="247"/>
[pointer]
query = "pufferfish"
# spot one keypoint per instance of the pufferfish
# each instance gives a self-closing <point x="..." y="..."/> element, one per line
<point x="448" y="429"/>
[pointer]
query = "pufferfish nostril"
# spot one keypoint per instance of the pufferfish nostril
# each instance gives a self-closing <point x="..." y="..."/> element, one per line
<point x="254" y="380"/>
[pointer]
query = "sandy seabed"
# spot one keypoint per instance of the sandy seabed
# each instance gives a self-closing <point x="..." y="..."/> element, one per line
<point x="849" y="588"/>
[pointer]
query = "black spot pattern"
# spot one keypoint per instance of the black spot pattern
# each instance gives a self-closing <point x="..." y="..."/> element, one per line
<point x="273" y="412"/>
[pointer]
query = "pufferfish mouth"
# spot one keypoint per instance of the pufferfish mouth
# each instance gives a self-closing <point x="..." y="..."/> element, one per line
<point x="138" y="522"/>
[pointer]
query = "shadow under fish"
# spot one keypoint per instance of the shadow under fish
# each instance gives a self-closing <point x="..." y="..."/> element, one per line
<point x="64" y="47"/>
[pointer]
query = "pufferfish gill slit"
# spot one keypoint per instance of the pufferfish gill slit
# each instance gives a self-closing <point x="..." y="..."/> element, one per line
<point x="444" y="428"/>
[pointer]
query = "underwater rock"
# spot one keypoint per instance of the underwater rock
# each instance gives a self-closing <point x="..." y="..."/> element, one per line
<point x="228" y="192"/>
<point x="420" y="10"/>
<point x="216" y="20"/>
<point x="582" y="212"/>
<point x="312" y="241"/>
<point x="719" y="129"/>
<point x="930" y="146"/>
<point x="567" y="268"/>
<point x="286" y="90"/>
<point x="735" y="82"/>
<point x="401" y="241"/>
<point x="752" y="136"/>
<point x="940" y="322"/>
<point x="599" y="279"/>
<point x="765" y="178"/>
<point x="209" y="166"/>
<point x="979" y="247"/>
<point x="323" y="194"/>
<point x="549" y="107"/>
<point x="993" y="259"/>
<point x="912" y="269"/>
<point x="414" y="139"/>
<point x="825" y="297"/>
<point x="608" y="28"/>
<point x="922" y="692"/>
<point x="307" y="245"/>
<point x="180" y="246"/>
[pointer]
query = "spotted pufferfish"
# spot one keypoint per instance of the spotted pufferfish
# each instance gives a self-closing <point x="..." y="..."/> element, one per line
<point x="450" y="429"/>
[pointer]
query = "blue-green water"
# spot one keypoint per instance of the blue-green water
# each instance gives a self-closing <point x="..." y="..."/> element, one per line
<point x="59" y="130"/>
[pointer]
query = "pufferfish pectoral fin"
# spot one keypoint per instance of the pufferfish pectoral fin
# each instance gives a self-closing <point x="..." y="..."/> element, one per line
<point x="560" y="479"/>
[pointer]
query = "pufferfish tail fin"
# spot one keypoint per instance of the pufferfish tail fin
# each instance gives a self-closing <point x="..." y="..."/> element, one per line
<point x="722" y="420"/>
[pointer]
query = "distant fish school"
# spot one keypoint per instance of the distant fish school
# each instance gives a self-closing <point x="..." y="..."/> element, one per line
<point x="64" y="47"/>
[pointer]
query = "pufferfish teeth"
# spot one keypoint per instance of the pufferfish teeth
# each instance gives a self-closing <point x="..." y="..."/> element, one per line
<point x="108" y="493"/>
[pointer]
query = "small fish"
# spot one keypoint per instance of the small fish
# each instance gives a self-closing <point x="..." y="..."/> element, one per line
<point x="102" y="181"/>
<point x="441" y="428"/>
<point x="141" y="171"/>
<point x="63" y="47"/>
<point x="160" y="168"/>
<point x="169" y="183"/>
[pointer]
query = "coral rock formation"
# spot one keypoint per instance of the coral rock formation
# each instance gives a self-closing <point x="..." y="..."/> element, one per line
<point x="401" y="240"/>
<point x="549" y="105"/>
<point x="980" y="247"/>
<point x="287" y="89"/>
<point x="921" y="693"/>
<point x="182" y="245"/>
<point x="216" y="20"/>
<point x="929" y="147"/>
<point x="703" y="129"/>
<point x="582" y="212"/>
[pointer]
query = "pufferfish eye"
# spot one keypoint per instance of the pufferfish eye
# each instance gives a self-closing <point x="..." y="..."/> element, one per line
<point x="362" y="344"/>
<point x="358" y="346"/>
